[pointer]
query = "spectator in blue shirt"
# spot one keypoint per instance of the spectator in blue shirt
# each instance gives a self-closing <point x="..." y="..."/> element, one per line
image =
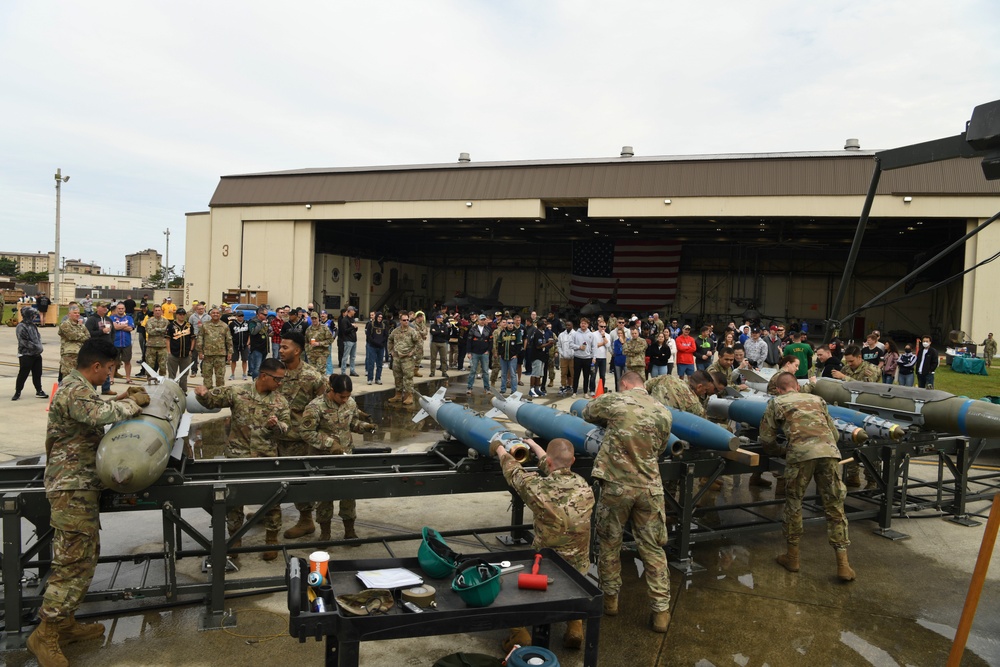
<point x="122" y="325"/>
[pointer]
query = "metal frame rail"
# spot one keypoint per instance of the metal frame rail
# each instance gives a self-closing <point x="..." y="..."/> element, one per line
<point x="448" y="468"/>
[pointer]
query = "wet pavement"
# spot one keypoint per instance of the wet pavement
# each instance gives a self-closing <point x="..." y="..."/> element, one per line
<point x="742" y="609"/>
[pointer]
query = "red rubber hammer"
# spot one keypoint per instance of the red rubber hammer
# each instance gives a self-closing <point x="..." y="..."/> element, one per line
<point x="533" y="581"/>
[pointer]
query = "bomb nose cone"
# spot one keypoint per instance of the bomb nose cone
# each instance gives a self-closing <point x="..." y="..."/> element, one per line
<point x="122" y="475"/>
<point x="896" y="432"/>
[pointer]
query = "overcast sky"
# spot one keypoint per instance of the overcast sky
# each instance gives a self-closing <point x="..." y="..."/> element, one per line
<point x="146" y="104"/>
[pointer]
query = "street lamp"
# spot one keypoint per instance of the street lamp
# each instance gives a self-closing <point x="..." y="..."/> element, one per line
<point x="60" y="179"/>
<point x="166" y="268"/>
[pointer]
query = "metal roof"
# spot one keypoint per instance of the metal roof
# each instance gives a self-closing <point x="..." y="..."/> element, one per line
<point x="750" y="174"/>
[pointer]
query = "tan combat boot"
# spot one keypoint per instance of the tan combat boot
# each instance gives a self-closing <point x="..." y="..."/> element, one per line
<point x="417" y="373"/>
<point x="397" y="397"/>
<point x="349" y="533"/>
<point x="407" y="398"/>
<point x="324" y="530"/>
<point x="844" y="570"/>
<point x="72" y="630"/>
<point x="574" y="634"/>
<point x="305" y="526"/>
<point x="44" y="645"/>
<point x="270" y="537"/>
<point x="853" y="477"/>
<point x="790" y="560"/>
<point x="519" y="636"/>
<point x="610" y="604"/>
<point x="660" y="620"/>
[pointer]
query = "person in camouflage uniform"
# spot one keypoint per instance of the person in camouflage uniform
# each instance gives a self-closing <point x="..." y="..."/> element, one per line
<point x="405" y="347"/>
<point x="561" y="503"/>
<point x="215" y="349"/>
<point x="320" y="342"/>
<point x="683" y="394"/>
<point x="156" y="341"/>
<point x="419" y="323"/>
<point x="77" y="418"/>
<point x="635" y="353"/>
<point x="811" y="453"/>
<point x="259" y="414"/>
<point x="301" y="385"/>
<point x="498" y="331"/>
<point x="857" y="369"/>
<point x="72" y="334"/>
<point x="724" y="364"/>
<point x="989" y="349"/>
<point x="637" y="429"/>
<point x="327" y="424"/>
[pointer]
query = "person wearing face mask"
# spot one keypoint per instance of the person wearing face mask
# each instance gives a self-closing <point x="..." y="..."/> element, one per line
<point x="927" y="363"/>
<point x="905" y="365"/>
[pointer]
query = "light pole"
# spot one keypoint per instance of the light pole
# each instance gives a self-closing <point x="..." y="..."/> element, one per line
<point x="166" y="262"/>
<point x="60" y="179"/>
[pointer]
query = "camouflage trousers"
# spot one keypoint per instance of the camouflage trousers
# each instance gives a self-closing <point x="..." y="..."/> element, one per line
<point x="295" y="448"/>
<point x="831" y="492"/>
<point x="853" y="470"/>
<point x="348" y="510"/>
<point x="67" y="362"/>
<point x="213" y="371"/>
<point x="235" y="518"/>
<point x="619" y="504"/>
<point x="402" y="373"/>
<point x="76" y="545"/>
<point x="156" y="358"/>
<point x="318" y="358"/>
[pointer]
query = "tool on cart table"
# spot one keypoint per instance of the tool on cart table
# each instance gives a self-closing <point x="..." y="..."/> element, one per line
<point x="533" y="581"/>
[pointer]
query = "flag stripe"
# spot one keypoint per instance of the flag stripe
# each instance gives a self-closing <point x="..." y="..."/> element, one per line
<point x="641" y="276"/>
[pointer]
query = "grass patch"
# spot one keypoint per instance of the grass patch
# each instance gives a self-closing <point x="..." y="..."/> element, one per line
<point x="963" y="384"/>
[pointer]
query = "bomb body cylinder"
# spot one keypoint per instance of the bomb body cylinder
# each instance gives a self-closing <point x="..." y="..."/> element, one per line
<point x="549" y="424"/>
<point x="134" y="453"/>
<point x="470" y="428"/>
<point x="675" y="444"/>
<point x="939" y="410"/>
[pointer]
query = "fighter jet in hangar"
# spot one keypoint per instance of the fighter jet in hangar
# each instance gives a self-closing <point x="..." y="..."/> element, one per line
<point x="491" y="302"/>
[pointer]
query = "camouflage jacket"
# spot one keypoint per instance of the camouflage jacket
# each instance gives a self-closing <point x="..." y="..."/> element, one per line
<point x="249" y="434"/>
<point x="299" y="388"/>
<point x="772" y="386"/>
<point x="806" y="423"/>
<point x="215" y="340"/>
<point x="73" y="335"/>
<point x="156" y="332"/>
<point x="327" y="427"/>
<point x="405" y="343"/>
<point x="635" y="352"/>
<point x="561" y="503"/>
<point x="731" y="378"/>
<point x="864" y="373"/>
<point x="320" y="333"/>
<point x="76" y="425"/>
<point x="675" y="393"/>
<point x="637" y="429"/>
<point x="420" y="328"/>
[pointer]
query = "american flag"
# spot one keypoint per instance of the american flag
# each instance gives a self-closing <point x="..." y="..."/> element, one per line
<point x="643" y="273"/>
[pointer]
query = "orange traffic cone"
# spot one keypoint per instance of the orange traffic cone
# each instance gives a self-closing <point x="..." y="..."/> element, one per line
<point x="55" y="388"/>
<point x="600" y="388"/>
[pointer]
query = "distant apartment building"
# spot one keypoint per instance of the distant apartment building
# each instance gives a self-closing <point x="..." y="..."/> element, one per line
<point x="143" y="264"/>
<point x="31" y="261"/>
<point x="77" y="266"/>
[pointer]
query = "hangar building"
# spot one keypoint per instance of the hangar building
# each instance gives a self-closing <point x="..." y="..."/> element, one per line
<point x="767" y="232"/>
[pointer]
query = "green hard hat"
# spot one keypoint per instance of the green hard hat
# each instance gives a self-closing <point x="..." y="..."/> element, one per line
<point x="436" y="558"/>
<point x="477" y="582"/>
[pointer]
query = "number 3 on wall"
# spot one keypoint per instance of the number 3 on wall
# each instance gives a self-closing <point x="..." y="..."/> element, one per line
<point x="225" y="250"/>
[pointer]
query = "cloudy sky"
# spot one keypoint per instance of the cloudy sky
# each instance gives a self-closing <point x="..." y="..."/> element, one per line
<point x="146" y="104"/>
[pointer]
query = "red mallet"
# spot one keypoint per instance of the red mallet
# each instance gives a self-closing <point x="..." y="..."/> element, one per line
<point x="533" y="581"/>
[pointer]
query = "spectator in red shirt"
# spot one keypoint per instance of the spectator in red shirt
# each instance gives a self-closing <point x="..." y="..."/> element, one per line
<point x="686" y="347"/>
<point x="281" y="316"/>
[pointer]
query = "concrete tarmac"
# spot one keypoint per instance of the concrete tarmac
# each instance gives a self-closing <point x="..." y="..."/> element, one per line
<point x="742" y="609"/>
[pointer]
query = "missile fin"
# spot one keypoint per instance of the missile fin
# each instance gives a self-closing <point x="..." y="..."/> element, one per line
<point x="494" y="413"/>
<point x="440" y="393"/>
<point x="516" y="396"/>
<point x="420" y="416"/>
